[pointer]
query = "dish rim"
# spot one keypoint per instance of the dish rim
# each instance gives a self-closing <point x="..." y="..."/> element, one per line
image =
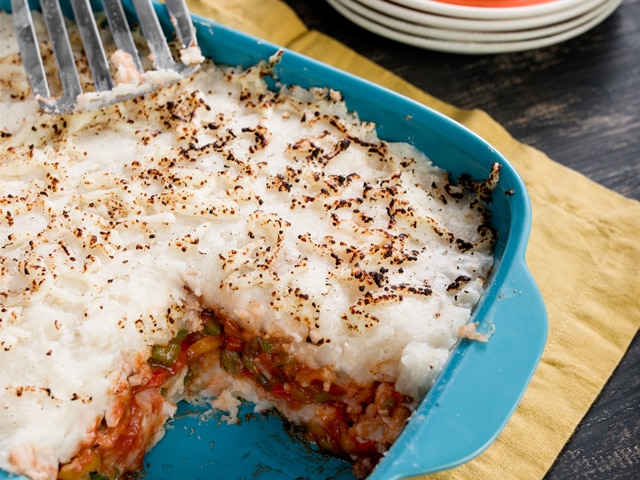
<point x="485" y="13"/>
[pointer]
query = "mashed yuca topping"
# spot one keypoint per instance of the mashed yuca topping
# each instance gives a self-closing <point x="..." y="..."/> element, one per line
<point x="280" y="211"/>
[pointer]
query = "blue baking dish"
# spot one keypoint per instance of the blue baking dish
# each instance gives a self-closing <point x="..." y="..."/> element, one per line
<point x="481" y="384"/>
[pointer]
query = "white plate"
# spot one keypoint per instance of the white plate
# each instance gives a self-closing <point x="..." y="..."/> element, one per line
<point x="483" y="25"/>
<point x="459" y="35"/>
<point x="489" y="13"/>
<point x="473" y="47"/>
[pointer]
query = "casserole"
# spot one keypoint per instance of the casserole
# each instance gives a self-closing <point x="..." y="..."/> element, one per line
<point x="475" y="371"/>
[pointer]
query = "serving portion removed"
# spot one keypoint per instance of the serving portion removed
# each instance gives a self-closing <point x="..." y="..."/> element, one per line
<point x="236" y="238"/>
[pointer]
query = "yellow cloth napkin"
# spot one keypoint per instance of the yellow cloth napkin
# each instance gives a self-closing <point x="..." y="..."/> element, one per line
<point x="584" y="254"/>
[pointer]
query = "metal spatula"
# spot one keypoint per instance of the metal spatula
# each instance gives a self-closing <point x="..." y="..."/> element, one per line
<point x="107" y="91"/>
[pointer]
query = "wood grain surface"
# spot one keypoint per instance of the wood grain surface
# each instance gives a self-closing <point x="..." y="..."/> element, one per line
<point x="579" y="102"/>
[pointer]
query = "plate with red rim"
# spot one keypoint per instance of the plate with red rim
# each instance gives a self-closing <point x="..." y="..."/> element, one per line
<point x="399" y="12"/>
<point x="463" y="9"/>
<point x="495" y="3"/>
<point x="460" y="36"/>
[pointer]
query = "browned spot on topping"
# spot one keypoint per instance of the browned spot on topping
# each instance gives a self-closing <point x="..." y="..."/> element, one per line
<point x="458" y="282"/>
<point x="463" y="245"/>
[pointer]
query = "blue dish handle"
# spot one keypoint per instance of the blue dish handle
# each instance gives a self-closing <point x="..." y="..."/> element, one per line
<point x="468" y="407"/>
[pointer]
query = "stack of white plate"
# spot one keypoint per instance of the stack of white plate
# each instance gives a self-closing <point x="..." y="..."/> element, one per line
<point x="477" y="26"/>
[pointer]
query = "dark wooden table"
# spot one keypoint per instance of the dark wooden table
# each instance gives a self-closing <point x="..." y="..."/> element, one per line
<point x="579" y="102"/>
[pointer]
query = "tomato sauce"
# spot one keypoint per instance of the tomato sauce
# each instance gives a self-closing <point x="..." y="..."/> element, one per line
<point x="351" y="421"/>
